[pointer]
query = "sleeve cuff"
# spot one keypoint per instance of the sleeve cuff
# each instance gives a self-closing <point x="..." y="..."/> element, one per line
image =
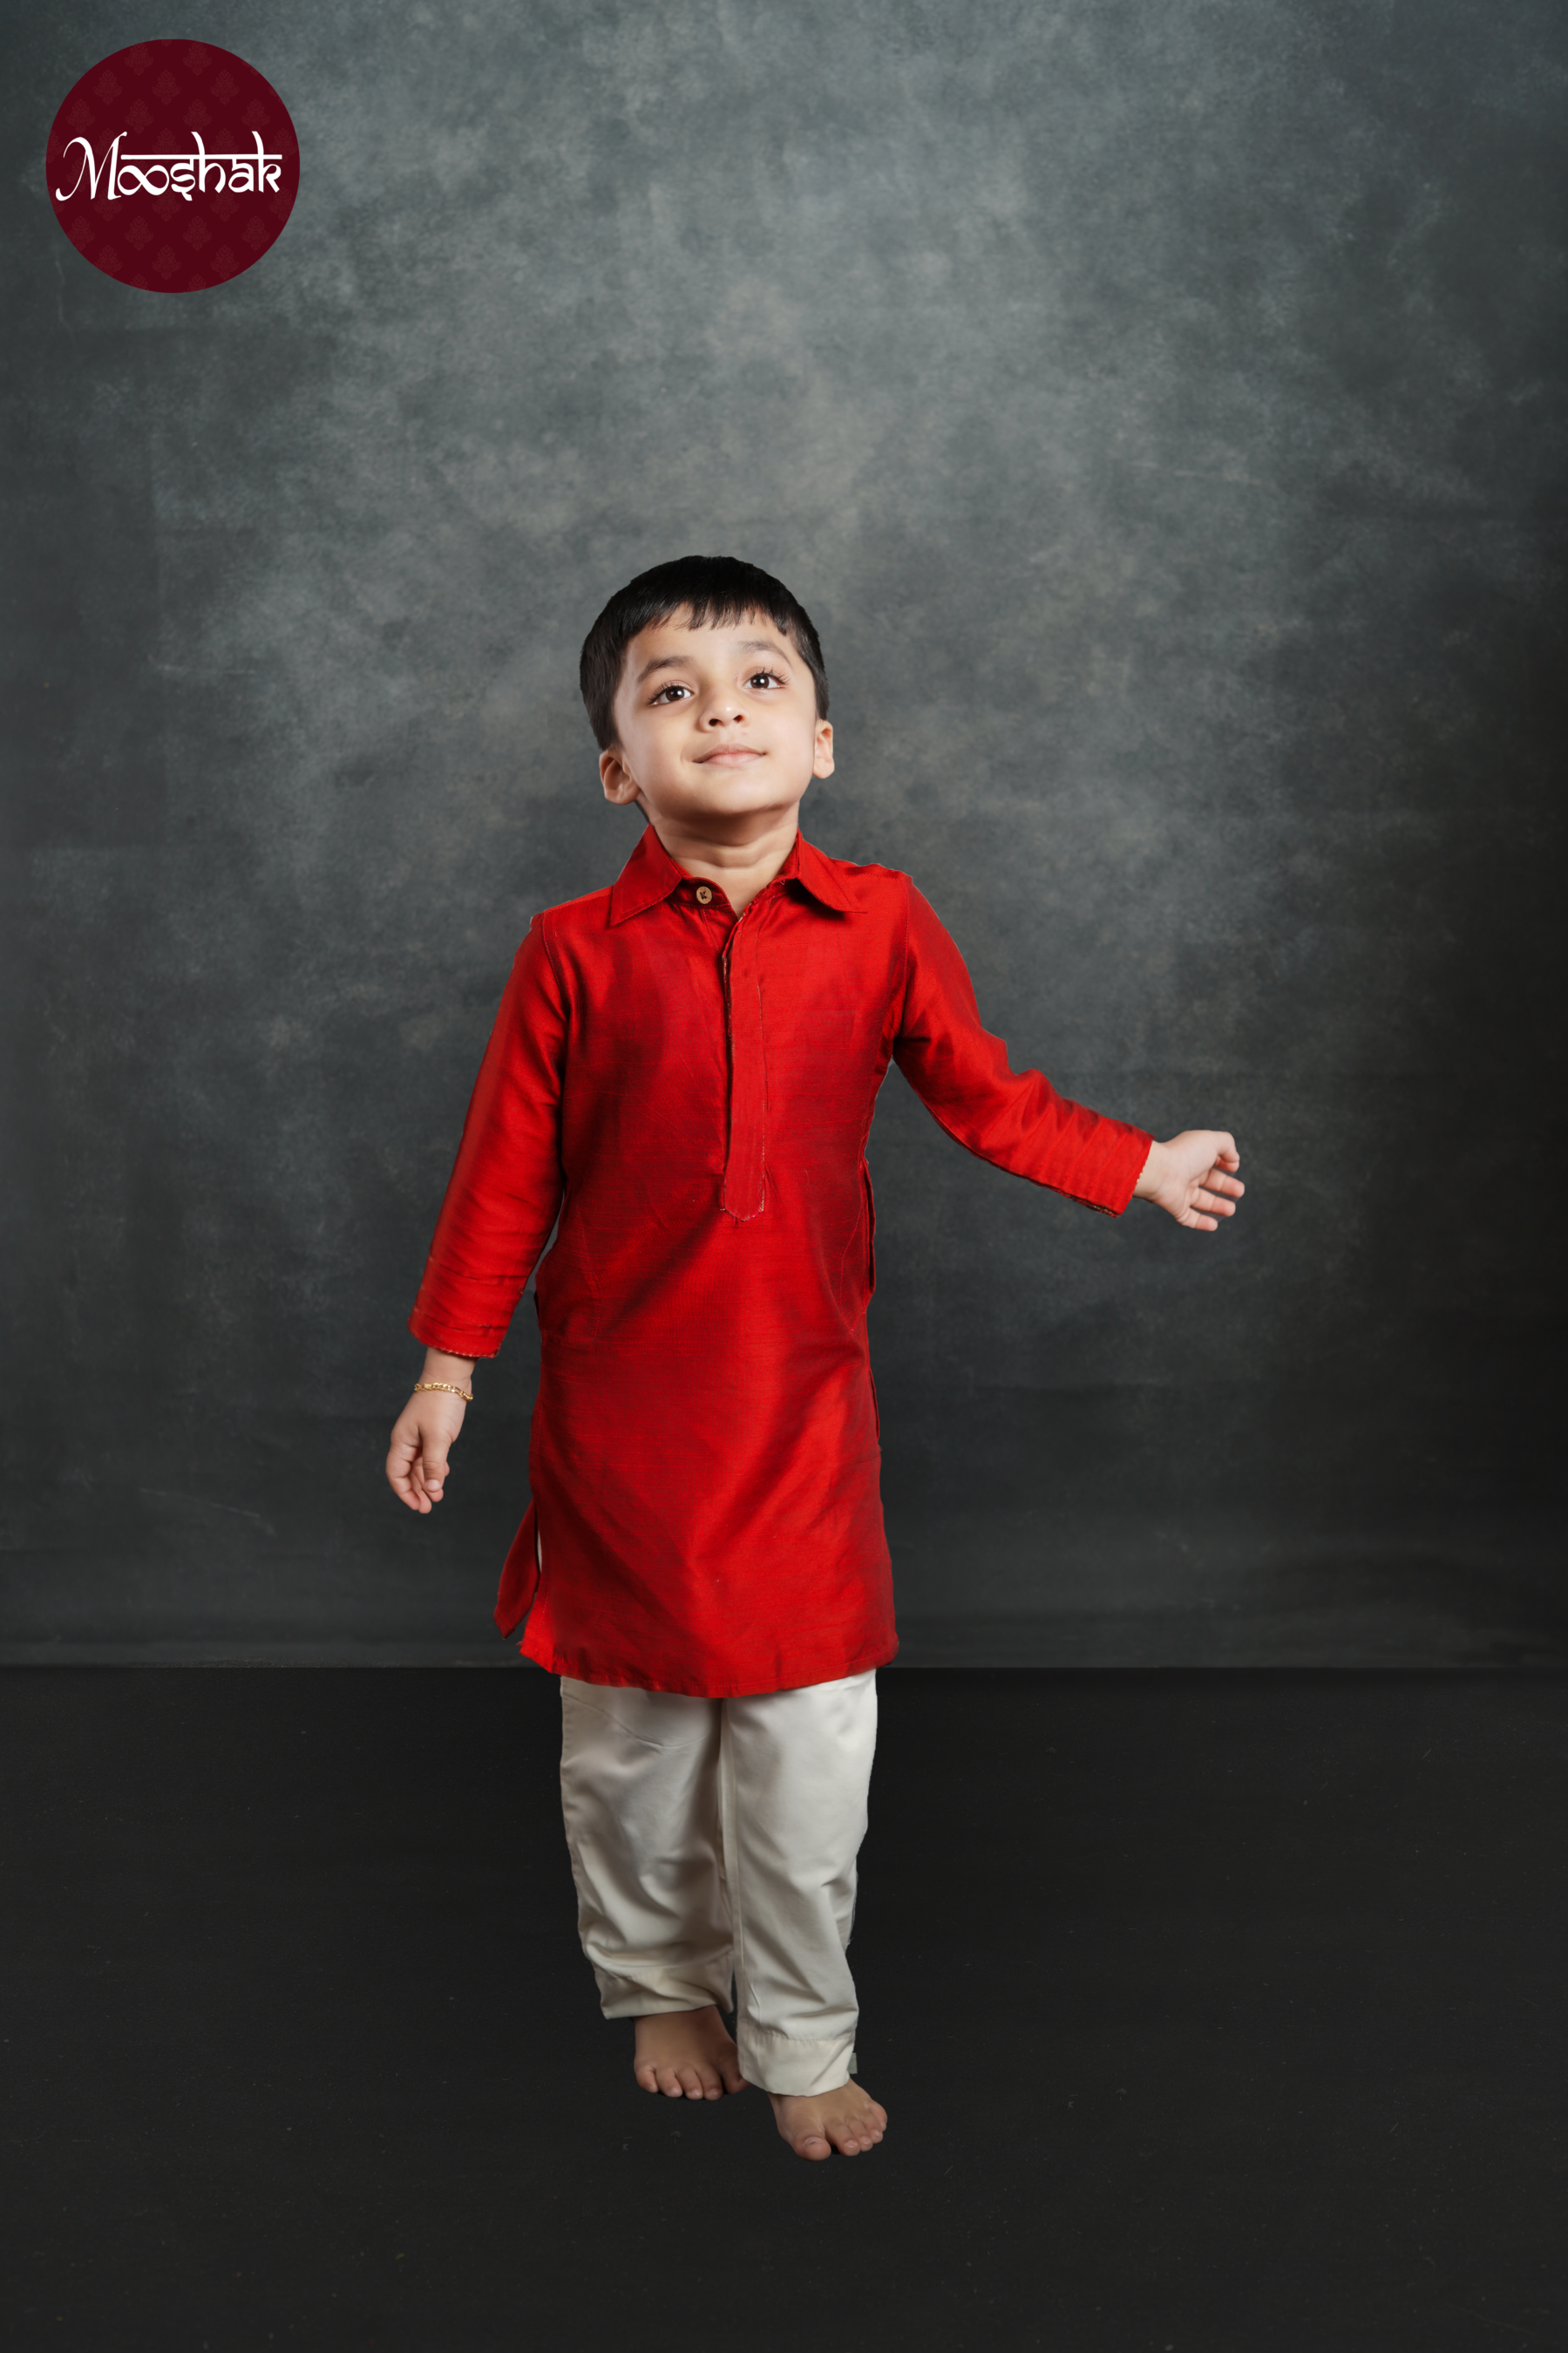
<point x="454" y="1342"/>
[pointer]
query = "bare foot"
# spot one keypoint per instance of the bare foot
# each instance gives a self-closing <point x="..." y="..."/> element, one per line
<point x="687" y="2054"/>
<point x="848" y="2120"/>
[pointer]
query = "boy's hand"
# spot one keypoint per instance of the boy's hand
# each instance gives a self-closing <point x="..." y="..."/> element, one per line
<point x="1194" y="1177"/>
<point x="423" y="1436"/>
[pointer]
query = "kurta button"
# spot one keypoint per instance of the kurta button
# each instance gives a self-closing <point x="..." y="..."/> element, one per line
<point x="703" y="894"/>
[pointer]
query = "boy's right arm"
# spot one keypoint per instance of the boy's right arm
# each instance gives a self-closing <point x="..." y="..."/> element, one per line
<point x="500" y="1204"/>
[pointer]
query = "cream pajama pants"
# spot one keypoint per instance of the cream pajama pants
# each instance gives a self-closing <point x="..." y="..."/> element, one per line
<point x="717" y="1837"/>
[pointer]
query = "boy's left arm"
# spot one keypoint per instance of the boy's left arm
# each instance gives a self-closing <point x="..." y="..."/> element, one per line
<point x="1016" y="1120"/>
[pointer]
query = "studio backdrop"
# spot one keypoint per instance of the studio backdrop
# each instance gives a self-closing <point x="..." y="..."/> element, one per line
<point x="1158" y="406"/>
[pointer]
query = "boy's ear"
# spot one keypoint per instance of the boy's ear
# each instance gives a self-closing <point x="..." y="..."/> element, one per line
<point x="822" y="763"/>
<point x="620" y="785"/>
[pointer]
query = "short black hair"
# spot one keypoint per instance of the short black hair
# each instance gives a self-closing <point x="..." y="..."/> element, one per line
<point x="712" y="588"/>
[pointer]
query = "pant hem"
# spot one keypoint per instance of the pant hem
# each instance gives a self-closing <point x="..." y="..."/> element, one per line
<point x="626" y="1998"/>
<point x="794" y="2068"/>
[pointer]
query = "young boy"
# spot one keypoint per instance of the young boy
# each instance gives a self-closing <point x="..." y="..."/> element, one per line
<point x="684" y="1069"/>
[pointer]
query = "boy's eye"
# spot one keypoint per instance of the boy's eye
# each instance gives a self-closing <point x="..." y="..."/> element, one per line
<point x="675" y="691"/>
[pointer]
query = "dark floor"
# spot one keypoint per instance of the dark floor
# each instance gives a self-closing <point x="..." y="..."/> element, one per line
<point x="1215" y="2013"/>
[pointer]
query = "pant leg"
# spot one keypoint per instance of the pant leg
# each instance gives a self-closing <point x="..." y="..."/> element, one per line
<point x="793" y="1773"/>
<point x="640" y="1799"/>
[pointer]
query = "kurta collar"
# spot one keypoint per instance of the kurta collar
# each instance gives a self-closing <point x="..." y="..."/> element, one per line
<point x="651" y="875"/>
<point x="817" y="874"/>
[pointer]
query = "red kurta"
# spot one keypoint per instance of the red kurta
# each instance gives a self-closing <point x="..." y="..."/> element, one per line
<point x="691" y="1092"/>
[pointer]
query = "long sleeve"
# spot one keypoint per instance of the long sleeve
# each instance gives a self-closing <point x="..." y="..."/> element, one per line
<point x="1014" y="1119"/>
<point x="506" y="1185"/>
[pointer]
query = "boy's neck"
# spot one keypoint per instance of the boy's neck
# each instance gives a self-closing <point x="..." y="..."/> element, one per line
<point x="741" y="869"/>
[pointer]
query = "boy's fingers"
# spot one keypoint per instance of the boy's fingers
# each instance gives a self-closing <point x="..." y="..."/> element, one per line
<point x="416" y="1462"/>
<point x="399" y="1467"/>
<point x="415" y="1473"/>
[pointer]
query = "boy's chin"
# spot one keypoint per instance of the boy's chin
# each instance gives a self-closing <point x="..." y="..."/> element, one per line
<point x="739" y="793"/>
<point x="736" y="793"/>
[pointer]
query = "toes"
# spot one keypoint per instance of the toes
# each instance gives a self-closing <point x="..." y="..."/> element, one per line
<point x="814" y="2146"/>
<point x="696" y="2076"/>
<point x="850" y="2139"/>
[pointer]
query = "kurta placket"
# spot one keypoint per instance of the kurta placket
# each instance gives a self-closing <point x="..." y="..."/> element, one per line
<point x="690" y="1094"/>
<point x="742" y="1194"/>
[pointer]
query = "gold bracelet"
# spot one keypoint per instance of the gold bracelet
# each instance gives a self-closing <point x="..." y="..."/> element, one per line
<point x="467" y="1395"/>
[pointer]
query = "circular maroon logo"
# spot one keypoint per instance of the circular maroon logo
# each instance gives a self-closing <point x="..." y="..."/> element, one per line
<point x="172" y="166"/>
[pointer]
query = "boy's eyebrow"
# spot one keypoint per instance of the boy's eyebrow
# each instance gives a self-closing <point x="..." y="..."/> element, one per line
<point x="746" y="646"/>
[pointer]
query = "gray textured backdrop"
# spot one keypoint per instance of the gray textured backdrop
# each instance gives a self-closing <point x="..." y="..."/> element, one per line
<point x="1158" y="404"/>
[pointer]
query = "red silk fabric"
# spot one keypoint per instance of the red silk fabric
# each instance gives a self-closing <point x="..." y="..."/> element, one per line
<point x="692" y="1094"/>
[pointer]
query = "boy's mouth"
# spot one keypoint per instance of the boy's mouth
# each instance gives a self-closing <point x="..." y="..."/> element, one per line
<point x="729" y="755"/>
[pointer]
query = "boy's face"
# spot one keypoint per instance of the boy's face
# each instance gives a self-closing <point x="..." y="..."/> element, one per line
<point x="716" y="728"/>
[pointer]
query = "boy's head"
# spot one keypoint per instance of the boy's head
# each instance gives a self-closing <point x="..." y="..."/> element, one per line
<point x="705" y="590"/>
<point x="704" y="682"/>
